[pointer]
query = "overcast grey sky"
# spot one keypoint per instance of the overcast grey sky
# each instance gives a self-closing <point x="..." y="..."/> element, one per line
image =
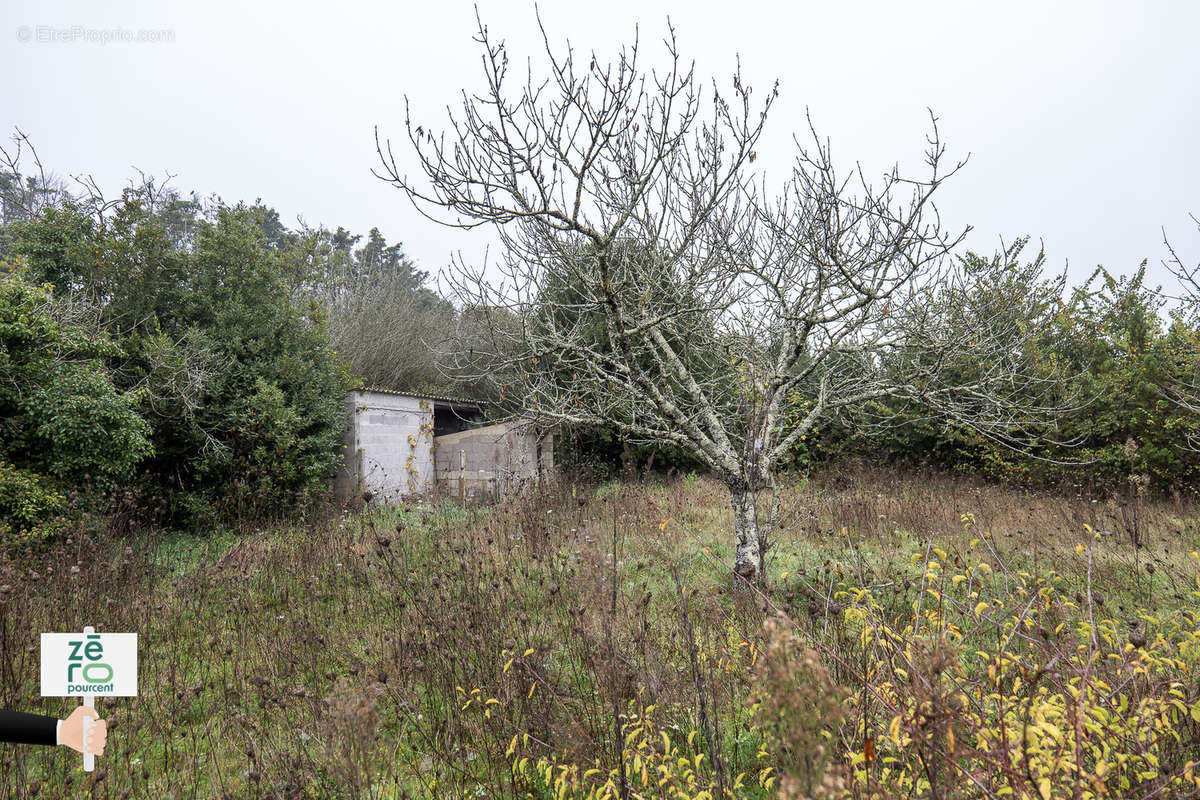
<point x="1081" y="117"/>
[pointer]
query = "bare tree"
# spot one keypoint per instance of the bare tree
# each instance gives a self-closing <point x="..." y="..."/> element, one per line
<point x="391" y="335"/>
<point x="23" y="194"/>
<point x="651" y="282"/>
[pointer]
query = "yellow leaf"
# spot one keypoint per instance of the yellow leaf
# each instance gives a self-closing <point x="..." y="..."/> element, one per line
<point x="663" y="526"/>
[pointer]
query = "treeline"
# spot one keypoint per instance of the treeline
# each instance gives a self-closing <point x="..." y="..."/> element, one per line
<point x="171" y="360"/>
<point x="1119" y="362"/>
<point x="176" y="360"/>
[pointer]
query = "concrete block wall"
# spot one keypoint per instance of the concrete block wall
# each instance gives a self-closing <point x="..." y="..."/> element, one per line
<point x="389" y="446"/>
<point x="493" y="460"/>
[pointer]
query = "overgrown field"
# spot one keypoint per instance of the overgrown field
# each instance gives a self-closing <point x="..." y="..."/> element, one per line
<point x="918" y="636"/>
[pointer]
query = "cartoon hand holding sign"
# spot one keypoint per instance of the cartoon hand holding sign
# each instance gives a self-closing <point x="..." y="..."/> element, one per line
<point x="20" y="728"/>
<point x="87" y="665"/>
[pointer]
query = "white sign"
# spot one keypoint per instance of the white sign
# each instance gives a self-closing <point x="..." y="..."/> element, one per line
<point x="89" y="664"/>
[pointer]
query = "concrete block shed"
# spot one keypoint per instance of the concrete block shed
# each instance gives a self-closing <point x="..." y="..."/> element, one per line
<point x="392" y="439"/>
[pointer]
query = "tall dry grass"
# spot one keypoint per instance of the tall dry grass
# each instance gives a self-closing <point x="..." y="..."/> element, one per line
<point x="586" y="641"/>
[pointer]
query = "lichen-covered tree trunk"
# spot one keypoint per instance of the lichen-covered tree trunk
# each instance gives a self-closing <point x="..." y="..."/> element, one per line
<point x="745" y="528"/>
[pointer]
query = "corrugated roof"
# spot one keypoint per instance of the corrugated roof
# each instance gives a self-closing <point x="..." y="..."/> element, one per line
<point x="437" y="398"/>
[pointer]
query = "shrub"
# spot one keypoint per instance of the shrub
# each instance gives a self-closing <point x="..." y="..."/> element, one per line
<point x="65" y="422"/>
<point x="216" y="356"/>
<point x="27" y="506"/>
<point x="1014" y="685"/>
<point x="274" y="410"/>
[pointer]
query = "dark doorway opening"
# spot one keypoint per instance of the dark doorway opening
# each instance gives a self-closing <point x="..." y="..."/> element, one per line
<point x="452" y="418"/>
